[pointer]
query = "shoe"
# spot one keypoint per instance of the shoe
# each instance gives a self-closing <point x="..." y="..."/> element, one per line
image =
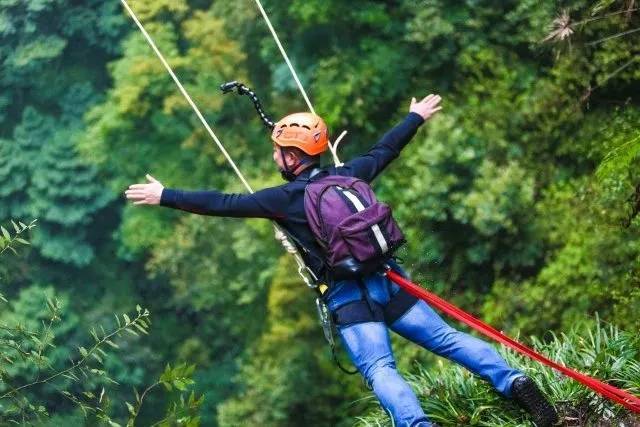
<point x="525" y="391"/>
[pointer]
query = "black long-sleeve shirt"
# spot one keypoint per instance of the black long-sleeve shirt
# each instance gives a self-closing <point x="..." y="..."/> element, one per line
<point x="285" y="203"/>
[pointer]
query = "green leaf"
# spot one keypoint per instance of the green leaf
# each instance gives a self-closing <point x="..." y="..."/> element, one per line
<point x="15" y="226"/>
<point x="83" y="351"/>
<point x="132" y="332"/>
<point x="141" y="329"/>
<point x="126" y="319"/>
<point x="5" y="233"/>
<point x="21" y="240"/>
<point x="130" y="407"/>
<point x="112" y="344"/>
<point x="98" y="358"/>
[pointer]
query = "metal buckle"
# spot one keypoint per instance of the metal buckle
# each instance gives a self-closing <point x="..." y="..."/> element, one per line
<point x="325" y="320"/>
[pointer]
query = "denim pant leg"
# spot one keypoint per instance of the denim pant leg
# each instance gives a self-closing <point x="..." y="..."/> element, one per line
<point x="369" y="348"/>
<point x="422" y="325"/>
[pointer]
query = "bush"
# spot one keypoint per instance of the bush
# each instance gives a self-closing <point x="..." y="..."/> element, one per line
<point x="452" y="396"/>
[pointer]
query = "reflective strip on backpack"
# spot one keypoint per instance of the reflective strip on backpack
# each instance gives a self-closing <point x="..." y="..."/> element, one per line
<point x="384" y="247"/>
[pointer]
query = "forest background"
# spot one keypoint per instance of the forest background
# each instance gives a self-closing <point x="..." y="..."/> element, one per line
<point x="518" y="200"/>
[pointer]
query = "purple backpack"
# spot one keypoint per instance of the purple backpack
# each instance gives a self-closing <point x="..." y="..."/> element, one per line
<point x="356" y="231"/>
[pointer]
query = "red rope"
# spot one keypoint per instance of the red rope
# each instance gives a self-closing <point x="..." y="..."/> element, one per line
<point x="620" y="396"/>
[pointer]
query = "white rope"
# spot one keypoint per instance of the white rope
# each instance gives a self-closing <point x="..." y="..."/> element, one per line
<point x="186" y="95"/>
<point x="289" y="247"/>
<point x="332" y="147"/>
<point x="286" y="57"/>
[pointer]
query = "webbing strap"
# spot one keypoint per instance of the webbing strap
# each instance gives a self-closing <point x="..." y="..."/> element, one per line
<point x="359" y="311"/>
<point x="622" y="397"/>
<point x="398" y="305"/>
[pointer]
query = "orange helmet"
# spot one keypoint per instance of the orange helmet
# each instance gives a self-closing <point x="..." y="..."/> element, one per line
<point x="305" y="131"/>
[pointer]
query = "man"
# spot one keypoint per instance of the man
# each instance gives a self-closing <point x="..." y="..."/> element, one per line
<point x="363" y="314"/>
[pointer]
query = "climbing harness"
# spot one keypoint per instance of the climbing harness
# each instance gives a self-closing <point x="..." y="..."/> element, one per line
<point x="620" y="396"/>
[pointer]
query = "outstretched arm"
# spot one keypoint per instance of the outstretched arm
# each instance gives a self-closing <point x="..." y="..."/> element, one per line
<point x="267" y="203"/>
<point x="369" y="165"/>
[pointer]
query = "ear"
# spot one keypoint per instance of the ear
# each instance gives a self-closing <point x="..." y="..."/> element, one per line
<point x="291" y="157"/>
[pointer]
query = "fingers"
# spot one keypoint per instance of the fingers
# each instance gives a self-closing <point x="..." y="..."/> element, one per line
<point x="135" y="194"/>
<point x="413" y="101"/>
<point x="144" y="194"/>
<point x="137" y="198"/>
<point x="427" y="98"/>
<point x="431" y="99"/>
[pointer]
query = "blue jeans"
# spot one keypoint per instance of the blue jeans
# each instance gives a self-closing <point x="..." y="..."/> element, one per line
<point x="369" y="348"/>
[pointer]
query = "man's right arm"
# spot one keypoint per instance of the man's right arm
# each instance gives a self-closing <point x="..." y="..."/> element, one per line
<point x="267" y="203"/>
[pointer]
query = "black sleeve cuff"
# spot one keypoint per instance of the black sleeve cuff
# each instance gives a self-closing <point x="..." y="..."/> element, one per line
<point x="169" y="198"/>
<point x="415" y="119"/>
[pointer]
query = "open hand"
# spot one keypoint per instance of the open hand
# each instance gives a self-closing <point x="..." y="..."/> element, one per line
<point x="427" y="107"/>
<point x="145" y="194"/>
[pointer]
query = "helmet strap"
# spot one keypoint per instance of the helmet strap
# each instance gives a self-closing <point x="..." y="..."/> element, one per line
<point x="287" y="174"/>
<point x="291" y="173"/>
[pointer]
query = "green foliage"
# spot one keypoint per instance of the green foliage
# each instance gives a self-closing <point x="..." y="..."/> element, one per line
<point x="519" y="201"/>
<point x="620" y="158"/>
<point x="40" y="171"/>
<point x="36" y="369"/>
<point x="288" y="377"/>
<point x="581" y="260"/>
<point x="183" y="412"/>
<point x="53" y="185"/>
<point x="623" y="140"/>
<point x="7" y="241"/>
<point x="451" y="396"/>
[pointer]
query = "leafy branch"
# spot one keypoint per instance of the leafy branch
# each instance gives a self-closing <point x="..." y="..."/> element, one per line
<point x="7" y="241"/>
<point x="140" y="322"/>
<point x="179" y="378"/>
